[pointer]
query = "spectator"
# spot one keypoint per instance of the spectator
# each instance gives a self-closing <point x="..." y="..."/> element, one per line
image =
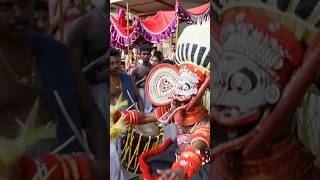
<point x="122" y="83"/>
<point x="61" y="22"/>
<point x="140" y="73"/>
<point x="157" y="58"/>
<point x="41" y="16"/>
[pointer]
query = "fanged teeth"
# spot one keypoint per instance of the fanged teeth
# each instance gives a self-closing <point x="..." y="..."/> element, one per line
<point x="233" y="134"/>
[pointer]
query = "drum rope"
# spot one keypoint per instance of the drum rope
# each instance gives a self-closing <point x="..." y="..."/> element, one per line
<point x="144" y="149"/>
<point x="128" y="155"/>
<point x="127" y="147"/>
<point x="135" y="154"/>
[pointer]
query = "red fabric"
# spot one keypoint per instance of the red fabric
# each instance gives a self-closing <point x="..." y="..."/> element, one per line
<point x="121" y="29"/>
<point x="199" y="10"/>
<point x="145" y="155"/>
<point x="159" y="22"/>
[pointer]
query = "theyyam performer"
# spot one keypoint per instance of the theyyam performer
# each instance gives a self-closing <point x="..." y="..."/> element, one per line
<point x="176" y="92"/>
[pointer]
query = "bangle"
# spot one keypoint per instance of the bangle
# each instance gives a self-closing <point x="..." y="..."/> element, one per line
<point x="131" y="116"/>
<point x="52" y="162"/>
<point x="65" y="170"/>
<point x="72" y="166"/>
<point x="83" y="164"/>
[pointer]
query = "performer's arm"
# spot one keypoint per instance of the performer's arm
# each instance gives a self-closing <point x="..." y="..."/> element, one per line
<point x="190" y="159"/>
<point x="134" y="117"/>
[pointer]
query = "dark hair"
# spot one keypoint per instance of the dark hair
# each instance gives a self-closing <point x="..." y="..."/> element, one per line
<point x="145" y="47"/>
<point x="40" y="5"/>
<point x="158" y="54"/>
<point x="168" y="61"/>
<point x="115" y="52"/>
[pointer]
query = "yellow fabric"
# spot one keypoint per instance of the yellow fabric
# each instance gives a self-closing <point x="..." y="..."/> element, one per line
<point x="29" y="135"/>
<point x="121" y="125"/>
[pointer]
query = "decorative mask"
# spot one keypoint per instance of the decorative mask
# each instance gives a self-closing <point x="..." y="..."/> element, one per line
<point x="177" y="86"/>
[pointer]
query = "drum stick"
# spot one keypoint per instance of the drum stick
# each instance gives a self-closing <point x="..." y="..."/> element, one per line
<point x="72" y="125"/>
<point x="55" y="151"/>
<point x="141" y="80"/>
<point x="135" y="104"/>
<point x="130" y="107"/>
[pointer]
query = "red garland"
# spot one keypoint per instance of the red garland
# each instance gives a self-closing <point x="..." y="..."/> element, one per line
<point x="142" y="160"/>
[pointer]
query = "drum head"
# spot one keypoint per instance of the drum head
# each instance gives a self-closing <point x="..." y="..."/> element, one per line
<point x="160" y="84"/>
<point x="150" y="129"/>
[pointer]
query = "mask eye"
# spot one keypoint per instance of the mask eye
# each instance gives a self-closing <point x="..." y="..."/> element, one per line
<point x="241" y="83"/>
<point x="185" y="87"/>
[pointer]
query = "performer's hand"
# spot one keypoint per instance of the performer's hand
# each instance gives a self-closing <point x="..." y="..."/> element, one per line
<point x="170" y="174"/>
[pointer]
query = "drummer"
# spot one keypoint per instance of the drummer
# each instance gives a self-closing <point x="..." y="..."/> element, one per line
<point x="121" y="82"/>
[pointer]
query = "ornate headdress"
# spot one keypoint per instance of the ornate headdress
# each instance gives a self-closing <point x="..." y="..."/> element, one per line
<point x="193" y="60"/>
<point x="271" y="34"/>
<point x="192" y="55"/>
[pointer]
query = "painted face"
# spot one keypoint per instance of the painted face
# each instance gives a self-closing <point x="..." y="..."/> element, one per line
<point x="241" y="88"/>
<point x="185" y="90"/>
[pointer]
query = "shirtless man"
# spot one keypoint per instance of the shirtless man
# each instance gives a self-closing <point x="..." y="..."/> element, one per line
<point x="140" y="73"/>
<point x="88" y="42"/>
<point x="122" y="83"/>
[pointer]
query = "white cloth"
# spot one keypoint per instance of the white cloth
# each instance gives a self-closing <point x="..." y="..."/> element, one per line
<point x="116" y="172"/>
<point x="147" y="105"/>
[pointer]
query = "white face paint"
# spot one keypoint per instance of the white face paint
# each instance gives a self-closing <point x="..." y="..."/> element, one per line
<point x="240" y="86"/>
<point x="185" y="89"/>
